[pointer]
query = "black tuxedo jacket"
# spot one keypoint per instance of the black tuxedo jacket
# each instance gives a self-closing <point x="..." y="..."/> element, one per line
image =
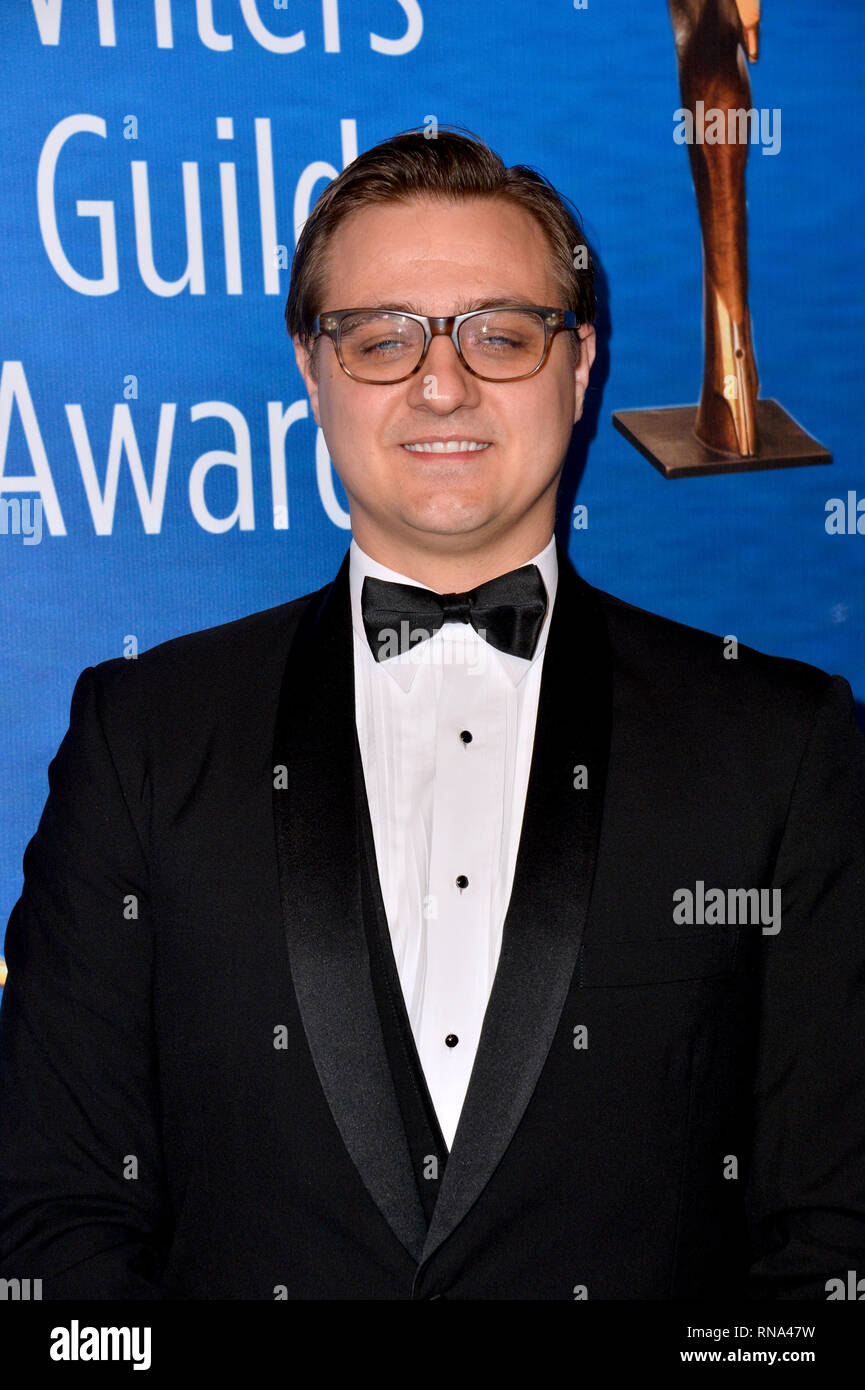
<point x="195" y="1096"/>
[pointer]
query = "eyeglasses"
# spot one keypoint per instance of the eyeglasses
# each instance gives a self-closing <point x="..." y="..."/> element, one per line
<point x="384" y="346"/>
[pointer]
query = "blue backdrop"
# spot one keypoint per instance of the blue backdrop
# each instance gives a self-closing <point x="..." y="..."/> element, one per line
<point x="158" y="161"/>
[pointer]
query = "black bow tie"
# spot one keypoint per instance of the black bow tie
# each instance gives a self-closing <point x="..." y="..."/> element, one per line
<point x="508" y="612"/>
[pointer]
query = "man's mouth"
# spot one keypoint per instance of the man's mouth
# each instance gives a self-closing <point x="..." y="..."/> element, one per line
<point x="447" y="446"/>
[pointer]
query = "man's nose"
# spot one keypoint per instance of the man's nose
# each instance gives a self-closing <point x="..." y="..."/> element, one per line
<point x="443" y="382"/>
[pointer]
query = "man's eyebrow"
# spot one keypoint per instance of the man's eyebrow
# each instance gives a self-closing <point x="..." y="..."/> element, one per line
<point x="465" y="306"/>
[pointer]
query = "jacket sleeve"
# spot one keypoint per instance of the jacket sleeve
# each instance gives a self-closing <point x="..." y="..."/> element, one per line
<point x="806" y="1187"/>
<point x="82" y="1194"/>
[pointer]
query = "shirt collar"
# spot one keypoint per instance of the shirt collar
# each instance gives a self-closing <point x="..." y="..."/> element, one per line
<point x="403" y="668"/>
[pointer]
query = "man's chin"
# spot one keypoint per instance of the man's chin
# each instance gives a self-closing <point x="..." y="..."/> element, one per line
<point x="448" y="526"/>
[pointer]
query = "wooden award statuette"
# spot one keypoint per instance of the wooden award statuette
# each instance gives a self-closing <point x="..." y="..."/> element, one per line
<point x="730" y="431"/>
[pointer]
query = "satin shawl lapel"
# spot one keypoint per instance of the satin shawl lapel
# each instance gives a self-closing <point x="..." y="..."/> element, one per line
<point x="546" y="914"/>
<point x="319" y="868"/>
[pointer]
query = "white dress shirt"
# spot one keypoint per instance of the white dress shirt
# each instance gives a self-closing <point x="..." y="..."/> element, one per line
<point x="442" y="806"/>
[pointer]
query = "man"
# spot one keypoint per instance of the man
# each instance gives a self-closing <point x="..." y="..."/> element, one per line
<point x="421" y="937"/>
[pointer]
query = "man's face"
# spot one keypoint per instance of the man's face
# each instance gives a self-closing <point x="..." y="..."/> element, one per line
<point x="440" y="259"/>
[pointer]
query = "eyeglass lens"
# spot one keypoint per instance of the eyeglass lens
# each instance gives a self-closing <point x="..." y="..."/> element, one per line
<point x="501" y="344"/>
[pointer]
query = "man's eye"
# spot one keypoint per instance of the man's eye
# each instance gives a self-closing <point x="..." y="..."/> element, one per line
<point x="498" y="341"/>
<point x="382" y="345"/>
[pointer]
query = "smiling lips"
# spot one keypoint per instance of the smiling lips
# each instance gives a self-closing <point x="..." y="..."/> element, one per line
<point x="447" y="446"/>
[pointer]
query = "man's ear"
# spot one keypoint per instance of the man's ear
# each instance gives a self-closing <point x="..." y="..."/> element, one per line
<point x="307" y="369"/>
<point x="588" y="347"/>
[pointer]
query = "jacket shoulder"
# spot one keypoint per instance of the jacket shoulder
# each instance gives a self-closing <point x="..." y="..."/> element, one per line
<point x="236" y="653"/>
<point x="708" y="672"/>
<point x="175" y="697"/>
